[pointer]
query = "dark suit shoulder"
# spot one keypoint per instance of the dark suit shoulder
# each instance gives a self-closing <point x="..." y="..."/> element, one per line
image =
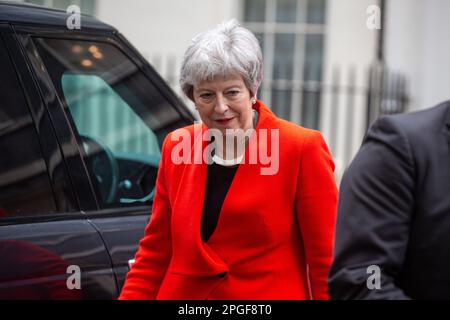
<point x="419" y="123"/>
<point x="416" y="133"/>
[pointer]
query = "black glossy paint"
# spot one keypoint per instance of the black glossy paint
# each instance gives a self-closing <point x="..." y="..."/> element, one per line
<point x="63" y="189"/>
<point x="23" y="13"/>
<point x="36" y="258"/>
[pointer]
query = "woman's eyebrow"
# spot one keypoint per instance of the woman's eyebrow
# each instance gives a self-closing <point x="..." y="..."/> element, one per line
<point x="226" y="88"/>
<point x="204" y="89"/>
<point x="234" y="86"/>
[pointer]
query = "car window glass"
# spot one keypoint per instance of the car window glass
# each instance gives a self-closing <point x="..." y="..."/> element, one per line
<point x="119" y="116"/>
<point x="113" y="126"/>
<point x="25" y="187"/>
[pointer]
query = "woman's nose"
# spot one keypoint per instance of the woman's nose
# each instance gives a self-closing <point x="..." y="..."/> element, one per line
<point x="221" y="104"/>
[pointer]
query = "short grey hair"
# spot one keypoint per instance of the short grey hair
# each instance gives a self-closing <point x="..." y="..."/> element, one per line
<point x="228" y="48"/>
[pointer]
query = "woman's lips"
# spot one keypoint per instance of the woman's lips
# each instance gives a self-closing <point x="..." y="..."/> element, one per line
<point x="224" y="121"/>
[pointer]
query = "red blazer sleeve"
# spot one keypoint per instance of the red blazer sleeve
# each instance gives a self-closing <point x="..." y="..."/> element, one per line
<point x="155" y="249"/>
<point x="316" y="211"/>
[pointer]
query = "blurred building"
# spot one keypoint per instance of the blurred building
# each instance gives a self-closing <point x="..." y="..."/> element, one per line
<point x="324" y="67"/>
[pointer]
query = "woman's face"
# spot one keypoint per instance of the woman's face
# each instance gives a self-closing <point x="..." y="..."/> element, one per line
<point x="224" y="103"/>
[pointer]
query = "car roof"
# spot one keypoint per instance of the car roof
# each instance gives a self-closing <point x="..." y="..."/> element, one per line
<point x="24" y="13"/>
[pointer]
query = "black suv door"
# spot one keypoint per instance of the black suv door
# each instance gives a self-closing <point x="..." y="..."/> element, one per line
<point x="119" y="111"/>
<point x="48" y="248"/>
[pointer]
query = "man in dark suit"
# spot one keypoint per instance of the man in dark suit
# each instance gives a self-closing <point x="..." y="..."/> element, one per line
<point x="393" y="229"/>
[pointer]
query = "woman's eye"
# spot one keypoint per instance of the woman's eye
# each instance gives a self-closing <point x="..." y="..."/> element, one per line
<point x="205" y="95"/>
<point x="233" y="92"/>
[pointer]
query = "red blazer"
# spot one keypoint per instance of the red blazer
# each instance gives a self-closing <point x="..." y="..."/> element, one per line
<point x="274" y="237"/>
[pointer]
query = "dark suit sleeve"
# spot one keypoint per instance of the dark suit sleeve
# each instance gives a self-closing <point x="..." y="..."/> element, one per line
<point x="374" y="212"/>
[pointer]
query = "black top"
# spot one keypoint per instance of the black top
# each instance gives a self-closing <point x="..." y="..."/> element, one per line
<point x="218" y="182"/>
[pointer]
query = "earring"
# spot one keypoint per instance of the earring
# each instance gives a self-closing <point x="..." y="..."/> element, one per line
<point x="253" y="100"/>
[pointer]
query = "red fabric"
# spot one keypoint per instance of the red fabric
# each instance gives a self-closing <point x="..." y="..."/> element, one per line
<point x="274" y="237"/>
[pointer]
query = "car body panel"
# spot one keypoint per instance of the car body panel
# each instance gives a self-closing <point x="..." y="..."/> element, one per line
<point x="40" y="251"/>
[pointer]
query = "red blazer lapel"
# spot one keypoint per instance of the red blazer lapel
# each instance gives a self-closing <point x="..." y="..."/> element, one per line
<point x="191" y="256"/>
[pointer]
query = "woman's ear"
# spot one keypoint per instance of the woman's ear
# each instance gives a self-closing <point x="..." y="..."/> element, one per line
<point x="253" y="97"/>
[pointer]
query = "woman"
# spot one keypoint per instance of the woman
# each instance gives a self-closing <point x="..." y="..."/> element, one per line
<point x="227" y="229"/>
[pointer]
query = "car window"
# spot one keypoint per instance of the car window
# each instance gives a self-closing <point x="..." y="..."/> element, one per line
<point x="119" y="116"/>
<point x="25" y="187"/>
<point x="114" y="127"/>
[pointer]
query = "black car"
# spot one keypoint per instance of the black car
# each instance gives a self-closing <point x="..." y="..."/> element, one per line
<point x="82" y="120"/>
